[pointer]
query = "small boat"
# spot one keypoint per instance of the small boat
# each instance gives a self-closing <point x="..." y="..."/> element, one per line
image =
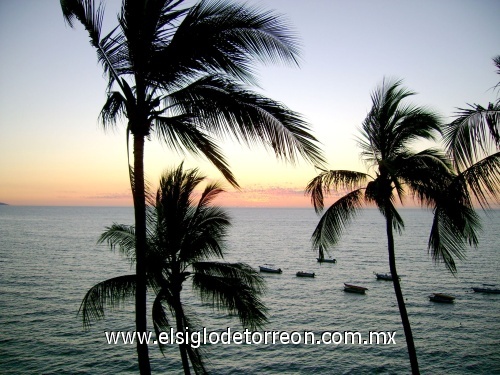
<point x="354" y="289"/>
<point x="487" y="289"/>
<point x="327" y="260"/>
<point x="383" y="276"/>
<point x="305" y="274"/>
<point x="440" y="297"/>
<point x="269" y="269"/>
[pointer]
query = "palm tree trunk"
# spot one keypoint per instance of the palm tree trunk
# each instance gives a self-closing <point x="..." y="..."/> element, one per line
<point x="179" y="319"/>
<point x="399" y="296"/>
<point x="140" y="233"/>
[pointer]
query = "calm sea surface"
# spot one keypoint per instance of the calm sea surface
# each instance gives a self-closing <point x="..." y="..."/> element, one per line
<point x="49" y="258"/>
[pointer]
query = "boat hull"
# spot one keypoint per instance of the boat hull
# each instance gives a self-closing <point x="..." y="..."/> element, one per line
<point x="383" y="276"/>
<point x="326" y="260"/>
<point x="305" y="274"/>
<point x="441" y="298"/>
<point x="354" y="289"/>
<point x="486" y="290"/>
<point x="270" y="270"/>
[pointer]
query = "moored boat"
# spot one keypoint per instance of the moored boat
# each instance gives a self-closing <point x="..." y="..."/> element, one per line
<point x="354" y="288"/>
<point x="305" y="274"/>
<point x="327" y="260"/>
<point x="269" y="269"/>
<point x="383" y="276"/>
<point x="486" y="290"/>
<point x="441" y="297"/>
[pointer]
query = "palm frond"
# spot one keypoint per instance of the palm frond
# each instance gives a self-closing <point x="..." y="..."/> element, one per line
<point x="210" y="193"/>
<point x="399" y="186"/>
<point x="391" y="125"/>
<point x="121" y="236"/>
<point x="321" y="185"/>
<point x="227" y="109"/>
<point x="160" y="319"/>
<point x="426" y="174"/>
<point x="473" y="134"/>
<point x="414" y="123"/>
<point x="197" y="359"/>
<point x="181" y="133"/>
<point x="111" y="293"/>
<point x="174" y="198"/>
<point x="454" y="226"/>
<point x="240" y="271"/>
<point x="483" y="179"/>
<point x="386" y="99"/>
<point x="113" y="109"/>
<point x="336" y="218"/>
<point x="397" y="221"/>
<point x="88" y="14"/>
<point x="206" y="235"/>
<point x="114" y="56"/>
<point x="456" y="223"/>
<point x="496" y="61"/>
<point x="110" y="49"/>
<point x="217" y="36"/>
<point x="235" y="288"/>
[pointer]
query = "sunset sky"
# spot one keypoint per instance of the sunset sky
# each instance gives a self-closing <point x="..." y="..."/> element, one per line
<point x="53" y="151"/>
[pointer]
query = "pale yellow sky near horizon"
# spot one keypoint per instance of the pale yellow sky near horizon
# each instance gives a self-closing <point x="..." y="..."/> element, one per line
<point x="53" y="151"/>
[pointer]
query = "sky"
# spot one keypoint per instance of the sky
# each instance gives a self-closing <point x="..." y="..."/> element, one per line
<point x="53" y="151"/>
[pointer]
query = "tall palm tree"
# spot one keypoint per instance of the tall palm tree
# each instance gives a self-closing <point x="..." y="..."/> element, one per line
<point x="386" y="136"/>
<point x="183" y="74"/>
<point x="183" y="238"/>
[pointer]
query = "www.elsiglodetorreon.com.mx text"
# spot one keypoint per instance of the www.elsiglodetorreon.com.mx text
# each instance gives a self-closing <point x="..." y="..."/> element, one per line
<point x="234" y="337"/>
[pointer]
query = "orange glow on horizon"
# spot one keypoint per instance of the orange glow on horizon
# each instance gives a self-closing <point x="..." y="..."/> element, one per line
<point x="256" y="196"/>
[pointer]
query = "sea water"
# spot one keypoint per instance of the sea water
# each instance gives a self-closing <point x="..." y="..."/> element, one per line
<point x="49" y="259"/>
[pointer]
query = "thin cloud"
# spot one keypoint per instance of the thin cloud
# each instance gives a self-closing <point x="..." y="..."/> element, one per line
<point x="110" y="196"/>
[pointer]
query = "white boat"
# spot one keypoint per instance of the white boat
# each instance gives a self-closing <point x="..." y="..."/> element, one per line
<point x="305" y="274"/>
<point x="269" y="269"/>
<point x="441" y="297"/>
<point x="327" y="260"/>
<point x="354" y="288"/>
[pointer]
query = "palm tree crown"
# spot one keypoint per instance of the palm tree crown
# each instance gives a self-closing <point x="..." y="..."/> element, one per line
<point x="181" y="74"/>
<point x="183" y="239"/>
<point x="387" y="135"/>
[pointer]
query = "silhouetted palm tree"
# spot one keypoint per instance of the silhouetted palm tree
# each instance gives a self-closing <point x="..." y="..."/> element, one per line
<point x="183" y="239"/>
<point x="386" y="137"/>
<point x="181" y="73"/>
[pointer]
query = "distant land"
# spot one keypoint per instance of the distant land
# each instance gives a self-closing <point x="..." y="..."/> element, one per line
<point x="3" y="204"/>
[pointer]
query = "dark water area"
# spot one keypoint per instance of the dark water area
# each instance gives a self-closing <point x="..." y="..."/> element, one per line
<point x="49" y="259"/>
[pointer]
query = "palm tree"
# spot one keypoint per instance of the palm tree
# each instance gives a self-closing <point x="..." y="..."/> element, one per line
<point x="183" y="239"/>
<point x="183" y="74"/>
<point x="386" y="136"/>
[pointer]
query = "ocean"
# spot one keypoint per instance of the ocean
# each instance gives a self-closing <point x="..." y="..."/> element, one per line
<point x="49" y="259"/>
